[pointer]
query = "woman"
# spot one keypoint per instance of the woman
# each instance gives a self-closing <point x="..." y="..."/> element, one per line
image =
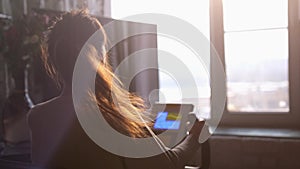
<point x="58" y="141"/>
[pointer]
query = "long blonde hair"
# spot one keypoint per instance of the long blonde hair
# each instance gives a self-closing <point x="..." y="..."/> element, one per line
<point x="64" y="41"/>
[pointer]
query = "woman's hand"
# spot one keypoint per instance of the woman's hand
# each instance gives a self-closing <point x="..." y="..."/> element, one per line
<point x="197" y="127"/>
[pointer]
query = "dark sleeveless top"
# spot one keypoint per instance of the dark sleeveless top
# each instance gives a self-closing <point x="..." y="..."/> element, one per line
<point x="58" y="141"/>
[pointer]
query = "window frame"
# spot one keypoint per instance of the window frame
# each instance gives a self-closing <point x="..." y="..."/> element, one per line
<point x="289" y="120"/>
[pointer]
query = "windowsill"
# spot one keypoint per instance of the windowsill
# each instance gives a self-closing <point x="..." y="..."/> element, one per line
<point x="258" y="132"/>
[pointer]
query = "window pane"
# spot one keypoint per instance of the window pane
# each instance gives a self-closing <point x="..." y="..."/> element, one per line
<point x="171" y="90"/>
<point x="196" y="13"/>
<point x="255" y="14"/>
<point x="257" y="70"/>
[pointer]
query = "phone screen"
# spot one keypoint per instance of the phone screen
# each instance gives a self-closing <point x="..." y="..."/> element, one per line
<point x="167" y="121"/>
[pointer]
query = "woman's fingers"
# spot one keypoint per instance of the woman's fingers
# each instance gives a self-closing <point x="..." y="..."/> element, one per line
<point x="197" y="127"/>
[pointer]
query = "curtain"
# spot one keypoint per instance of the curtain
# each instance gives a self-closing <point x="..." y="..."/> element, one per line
<point x="5" y="7"/>
<point x="19" y="7"/>
<point x="136" y="67"/>
<point x="94" y="6"/>
<point x="145" y="83"/>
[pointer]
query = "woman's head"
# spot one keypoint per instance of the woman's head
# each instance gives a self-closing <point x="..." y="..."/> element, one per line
<point x="64" y="42"/>
<point x="122" y="110"/>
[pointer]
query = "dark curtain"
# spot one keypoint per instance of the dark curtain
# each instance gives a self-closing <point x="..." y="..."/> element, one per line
<point x="144" y="65"/>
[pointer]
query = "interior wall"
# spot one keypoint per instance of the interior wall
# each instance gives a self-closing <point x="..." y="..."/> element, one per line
<point x="232" y="152"/>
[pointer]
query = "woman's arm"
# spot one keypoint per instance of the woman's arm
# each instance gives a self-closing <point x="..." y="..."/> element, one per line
<point x="175" y="158"/>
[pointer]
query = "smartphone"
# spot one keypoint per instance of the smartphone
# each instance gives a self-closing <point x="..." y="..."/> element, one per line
<point x="171" y="116"/>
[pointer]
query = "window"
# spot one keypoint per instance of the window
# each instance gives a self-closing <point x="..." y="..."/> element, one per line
<point x="170" y="90"/>
<point x="257" y="42"/>
<point x="256" y="55"/>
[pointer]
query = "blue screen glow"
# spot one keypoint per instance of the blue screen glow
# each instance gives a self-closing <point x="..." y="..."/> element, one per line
<point x="162" y="122"/>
